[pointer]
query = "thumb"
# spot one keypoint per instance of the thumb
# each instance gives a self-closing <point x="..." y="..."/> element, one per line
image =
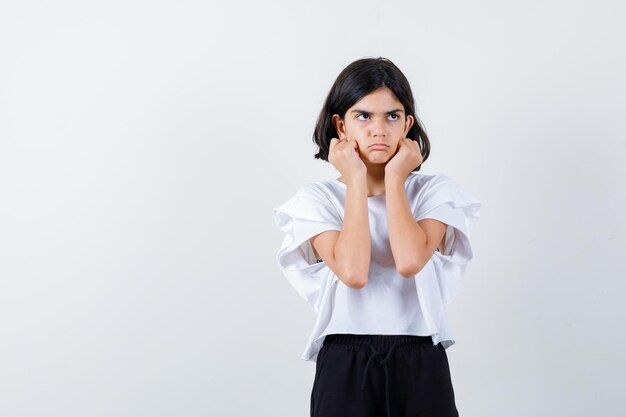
<point x="355" y="145"/>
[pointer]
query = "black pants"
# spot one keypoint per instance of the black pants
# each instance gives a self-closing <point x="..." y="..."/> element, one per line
<point x="382" y="376"/>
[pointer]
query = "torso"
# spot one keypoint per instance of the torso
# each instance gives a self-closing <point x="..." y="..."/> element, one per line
<point x="440" y="247"/>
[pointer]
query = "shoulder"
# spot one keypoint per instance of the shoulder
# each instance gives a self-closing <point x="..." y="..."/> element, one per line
<point x="431" y="179"/>
<point x="322" y="190"/>
<point x="420" y="184"/>
<point x="311" y="201"/>
<point x="440" y="189"/>
<point x="431" y="190"/>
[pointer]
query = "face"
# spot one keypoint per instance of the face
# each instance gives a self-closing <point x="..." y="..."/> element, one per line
<point x="376" y="119"/>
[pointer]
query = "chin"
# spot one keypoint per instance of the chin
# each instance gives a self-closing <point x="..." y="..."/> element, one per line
<point x="382" y="161"/>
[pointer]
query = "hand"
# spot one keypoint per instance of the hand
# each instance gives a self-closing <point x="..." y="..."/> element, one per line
<point x="344" y="155"/>
<point x="406" y="159"/>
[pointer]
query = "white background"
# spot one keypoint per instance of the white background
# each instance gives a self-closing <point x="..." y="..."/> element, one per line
<point x="144" y="144"/>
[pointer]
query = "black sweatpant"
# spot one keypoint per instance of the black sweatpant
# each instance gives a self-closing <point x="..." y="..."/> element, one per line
<point x="382" y="376"/>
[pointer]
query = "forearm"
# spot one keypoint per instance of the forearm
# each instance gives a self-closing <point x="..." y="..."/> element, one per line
<point x="406" y="237"/>
<point x="353" y="247"/>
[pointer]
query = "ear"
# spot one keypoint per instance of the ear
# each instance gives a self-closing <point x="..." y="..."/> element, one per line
<point x="340" y="126"/>
<point x="409" y="122"/>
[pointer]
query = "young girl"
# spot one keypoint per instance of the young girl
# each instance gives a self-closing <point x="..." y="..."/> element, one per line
<point x="377" y="253"/>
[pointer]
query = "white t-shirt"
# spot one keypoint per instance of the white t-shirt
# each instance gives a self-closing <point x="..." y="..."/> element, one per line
<point x="389" y="303"/>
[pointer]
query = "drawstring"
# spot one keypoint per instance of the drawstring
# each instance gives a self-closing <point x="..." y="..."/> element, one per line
<point x="384" y="363"/>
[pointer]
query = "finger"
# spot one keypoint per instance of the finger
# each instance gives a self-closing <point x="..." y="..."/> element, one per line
<point x="333" y="142"/>
<point x="355" y="146"/>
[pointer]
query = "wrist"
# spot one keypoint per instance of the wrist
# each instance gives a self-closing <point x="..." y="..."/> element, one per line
<point x="356" y="177"/>
<point x="394" y="177"/>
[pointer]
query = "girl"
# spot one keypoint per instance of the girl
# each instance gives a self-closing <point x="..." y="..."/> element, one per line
<point x="377" y="253"/>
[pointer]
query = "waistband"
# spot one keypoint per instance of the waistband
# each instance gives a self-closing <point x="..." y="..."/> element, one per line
<point x="382" y="342"/>
<point x="380" y="349"/>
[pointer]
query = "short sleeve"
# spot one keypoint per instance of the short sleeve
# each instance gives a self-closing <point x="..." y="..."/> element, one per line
<point x="445" y="200"/>
<point x="308" y="213"/>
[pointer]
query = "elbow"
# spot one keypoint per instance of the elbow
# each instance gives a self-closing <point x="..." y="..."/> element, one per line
<point x="356" y="276"/>
<point x="409" y="271"/>
<point x="357" y="284"/>
<point x="357" y="281"/>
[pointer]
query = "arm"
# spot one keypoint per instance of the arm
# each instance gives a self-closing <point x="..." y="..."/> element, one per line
<point x="348" y="252"/>
<point x="412" y="243"/>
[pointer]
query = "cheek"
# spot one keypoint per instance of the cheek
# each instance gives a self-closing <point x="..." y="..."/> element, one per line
<point x="351" y="128"/>
<point x="354" y="132"/>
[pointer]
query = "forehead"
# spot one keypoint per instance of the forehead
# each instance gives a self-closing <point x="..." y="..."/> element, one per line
<point x="381" y="100"/>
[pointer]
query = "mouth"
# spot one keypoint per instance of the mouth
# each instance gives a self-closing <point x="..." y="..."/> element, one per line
<point x="381" y="146"/>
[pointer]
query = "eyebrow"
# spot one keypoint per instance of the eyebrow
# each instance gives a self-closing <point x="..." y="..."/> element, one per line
<point x="367" y="112"/>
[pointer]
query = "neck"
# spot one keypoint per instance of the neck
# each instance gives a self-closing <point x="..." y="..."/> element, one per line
<point x="375" y="180"/>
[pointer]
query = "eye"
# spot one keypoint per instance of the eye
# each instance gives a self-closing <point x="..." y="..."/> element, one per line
<point x="394" y="115"/>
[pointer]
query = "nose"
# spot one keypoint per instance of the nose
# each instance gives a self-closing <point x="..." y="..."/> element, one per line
<point x="378" y="127"/>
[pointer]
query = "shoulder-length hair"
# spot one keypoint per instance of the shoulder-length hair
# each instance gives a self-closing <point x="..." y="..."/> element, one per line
<point x="357" y="80"/>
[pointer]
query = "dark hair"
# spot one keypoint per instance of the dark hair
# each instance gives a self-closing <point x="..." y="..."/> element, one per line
<point x="357" y="80"/>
